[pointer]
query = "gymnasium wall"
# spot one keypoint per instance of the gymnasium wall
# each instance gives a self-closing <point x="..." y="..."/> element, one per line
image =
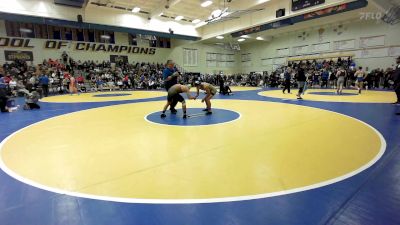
<point x="161" y="54"/>
<point x="40" y="52"/>
<point x="256" y="55"/>
<point x="374" y="44"/>
<point x="203" y="66"/>
<point x="267" y="15"/>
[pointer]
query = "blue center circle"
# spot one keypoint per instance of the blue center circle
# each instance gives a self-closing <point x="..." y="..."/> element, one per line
<point x="195" y="117"/>
<point x="332" y="93"/>
<point x="111" y="95"/>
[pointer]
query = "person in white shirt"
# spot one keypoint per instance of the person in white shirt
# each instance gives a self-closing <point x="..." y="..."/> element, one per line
<point x="341" y="75"/>
<point x="360" y="75"/>
<point x="12" y="84"/>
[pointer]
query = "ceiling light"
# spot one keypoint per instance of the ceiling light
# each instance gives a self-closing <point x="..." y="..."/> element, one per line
<point x="105" y="37"/>
<point x="260" y="38"/>
<point x="196" y="21"/>
<point x="136" y="10"/>
<point x="161" y="14"/>
<point x="241" y="39"/>
<point x="220" y="37"/>
<point x="178" y="18"/>
<point x="206" y="3"/>
<point x="244" y="36"/>
<point x="216" y="13"/>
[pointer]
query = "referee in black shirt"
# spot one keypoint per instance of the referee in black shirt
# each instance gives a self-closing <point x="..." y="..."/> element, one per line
<point x="301" y="80"/>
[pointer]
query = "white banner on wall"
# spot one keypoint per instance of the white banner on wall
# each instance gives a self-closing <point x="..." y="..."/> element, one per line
<point x="211" y="56"/>
<point x="373" y="53"/>
<point x="267" y="62"/>
<point x="344" y="44"/>
<point x="280" y="61"/>
<point x="211" y="63"/>
<point x="220" y="59"/>
<point x="230" y="64"/>
<point x="190" y="57"/>
<point x="300" y="50"/>
<point x="246" y="57"/>
<point x="394" y="51"/>
<point x="374" y="41"/>
<point x="322" y="47"/>
<point x="221" y="64"/>
<point x="283" y="52"/>
<point x="246" y="64"/>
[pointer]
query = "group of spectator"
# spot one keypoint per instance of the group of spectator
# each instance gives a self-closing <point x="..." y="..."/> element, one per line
<point x="339" y="74"/>
<point x="53" y="76"/>
<point x="323" y="74"/>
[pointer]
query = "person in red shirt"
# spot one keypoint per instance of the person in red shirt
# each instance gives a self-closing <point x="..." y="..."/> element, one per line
<point x="80" y="82"/>
<point x="126" y="82"/>
<point x="80" y="79"/>
<point x="7" y="78"/>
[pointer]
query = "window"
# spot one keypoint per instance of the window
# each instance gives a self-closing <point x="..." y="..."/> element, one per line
<point x="132" y="39"/>
<point x="91" y="36"/>
<point x="27" y="30"/>
<point x="66" y="33"/>
<point x="12" y="29"/>
<point x="80" y="35"/>
<point x="98" y="35"/>
<point x="74" y="34"/>
<point x="163" y="42"/>
<point x="153" y="43"/>
<point x="32" y="30"/>
<point x="168" y="43"/>
<point x="41" y="31"/>
<point x="8" y="28"/>
<point x="159" y="42"/>
<point x="111" y="40"/>
<point x="50" y="32"/>
<point x="54" y="32"/>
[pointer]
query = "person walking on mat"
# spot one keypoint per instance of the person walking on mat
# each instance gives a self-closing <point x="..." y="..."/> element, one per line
<point x="301" y="79"/>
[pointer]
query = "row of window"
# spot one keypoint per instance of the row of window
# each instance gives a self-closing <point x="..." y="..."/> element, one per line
<point x="154" y="42"/>
<point x="161" y="43"/>
<point x="30" y="30"/>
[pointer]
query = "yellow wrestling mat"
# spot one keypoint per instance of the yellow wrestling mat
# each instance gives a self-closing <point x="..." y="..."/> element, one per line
<point x="272" y="149"/>
<point x="104" y="96"/>
<point x="329" y="95"/>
